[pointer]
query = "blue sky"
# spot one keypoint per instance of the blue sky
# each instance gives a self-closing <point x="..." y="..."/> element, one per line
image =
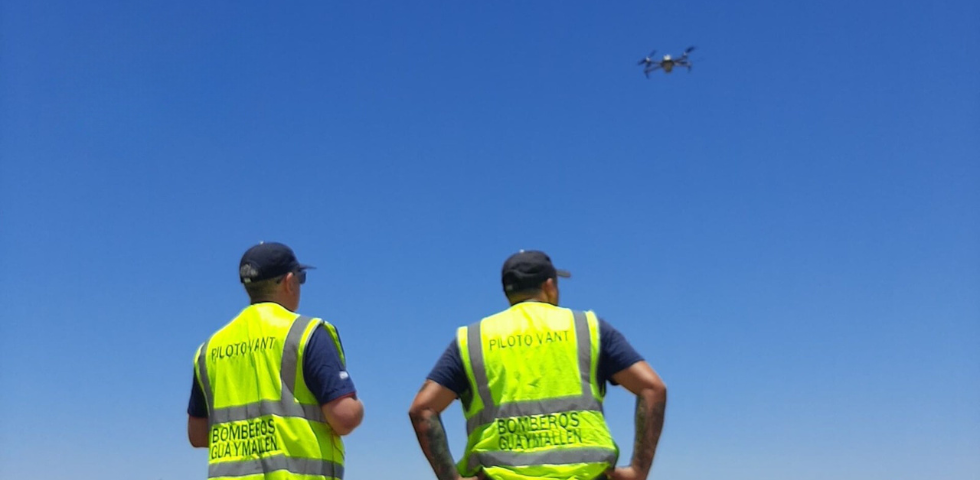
<point x="789" y="233"/>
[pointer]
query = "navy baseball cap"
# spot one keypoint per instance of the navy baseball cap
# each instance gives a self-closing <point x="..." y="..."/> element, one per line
<point x="268" y="260"/>
<point x="528" y="269"/>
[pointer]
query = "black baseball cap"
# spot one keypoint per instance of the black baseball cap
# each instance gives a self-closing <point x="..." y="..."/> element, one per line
<point x="528" y="269"/>
<point x="268" y="260"/>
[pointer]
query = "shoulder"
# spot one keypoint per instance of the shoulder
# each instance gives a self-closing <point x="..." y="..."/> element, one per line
<point x="197" y="353"/>
<point x="322" y="335"/>
<point x="611" y="339"/>
<point x="452" y="352"/>
<point x="615" y="352"/>
<point x="317" y="328"/>
<point x="606" y="329"/>
<point x="607" y="332"/>
<point x="449" y="370"/>
<point x="323" y="344"/>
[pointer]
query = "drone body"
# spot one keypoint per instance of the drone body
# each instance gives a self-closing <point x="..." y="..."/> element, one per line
<point x="667" y="63"/>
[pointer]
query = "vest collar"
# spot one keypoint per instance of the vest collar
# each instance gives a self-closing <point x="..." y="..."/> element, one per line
<point x="268" y="307"/>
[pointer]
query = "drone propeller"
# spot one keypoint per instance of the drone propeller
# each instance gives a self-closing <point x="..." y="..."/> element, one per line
<point x="689" y="50"/>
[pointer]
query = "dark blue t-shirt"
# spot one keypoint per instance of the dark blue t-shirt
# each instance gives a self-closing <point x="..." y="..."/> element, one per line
<point x="324" y="373"/>
<point x="615" y="355"/>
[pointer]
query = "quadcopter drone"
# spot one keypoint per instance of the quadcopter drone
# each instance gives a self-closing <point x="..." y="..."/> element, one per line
<point x="667" y="63"/>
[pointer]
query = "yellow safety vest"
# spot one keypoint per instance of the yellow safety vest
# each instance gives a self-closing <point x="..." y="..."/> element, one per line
<point x="264" y="423"/>
<point x="535" y="407"/>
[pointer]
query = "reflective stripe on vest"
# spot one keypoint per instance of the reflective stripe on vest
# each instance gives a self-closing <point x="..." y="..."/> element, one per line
<point x="585" y="401"/>
<point x="299" y="466"/>
<point x="551" y="457"/>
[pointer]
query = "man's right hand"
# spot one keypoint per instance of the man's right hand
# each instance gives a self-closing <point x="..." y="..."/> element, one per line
<point x="625" y="473"/>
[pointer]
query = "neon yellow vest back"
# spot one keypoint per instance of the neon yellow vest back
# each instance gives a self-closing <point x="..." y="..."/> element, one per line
<point x="264" y="423"/>
<point x="535" y="409"/>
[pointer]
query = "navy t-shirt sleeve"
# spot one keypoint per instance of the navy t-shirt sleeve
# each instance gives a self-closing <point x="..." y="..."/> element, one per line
<point x="326" y="376"/>
<point x="449" y="371"/>
<point x="615" y="353"/>
<point x="197" y="406"/>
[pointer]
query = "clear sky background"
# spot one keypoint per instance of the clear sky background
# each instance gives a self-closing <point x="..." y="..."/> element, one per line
<point x="790" y="233"/>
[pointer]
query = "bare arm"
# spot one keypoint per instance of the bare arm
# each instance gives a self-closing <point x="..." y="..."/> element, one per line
<point x="651" y="401"/>
<point x="197" y="431"/>
<point x="431" y="400"/>
<point x="343" y="414"/>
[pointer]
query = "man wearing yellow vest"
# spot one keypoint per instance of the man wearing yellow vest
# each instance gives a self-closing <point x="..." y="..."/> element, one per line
<point x="532" y="379"/>
<point x="271" y="395"/>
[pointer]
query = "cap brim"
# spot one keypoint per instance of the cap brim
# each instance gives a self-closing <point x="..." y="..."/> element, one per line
<point x="563" y="273"/>
<point x="306" y="267"/>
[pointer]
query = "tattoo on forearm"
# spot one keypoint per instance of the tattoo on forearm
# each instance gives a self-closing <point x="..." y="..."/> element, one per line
<point x="435" y="446"/>
<point x="649" y="423"/>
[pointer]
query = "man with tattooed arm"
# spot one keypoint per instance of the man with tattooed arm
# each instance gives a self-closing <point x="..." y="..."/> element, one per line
<point x="532" y="379"/>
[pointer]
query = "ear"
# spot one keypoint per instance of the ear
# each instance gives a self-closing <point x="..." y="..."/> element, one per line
<point x="291" y="286"/>
<point x="550" y="286"/>
<point x="550" y="290"/>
